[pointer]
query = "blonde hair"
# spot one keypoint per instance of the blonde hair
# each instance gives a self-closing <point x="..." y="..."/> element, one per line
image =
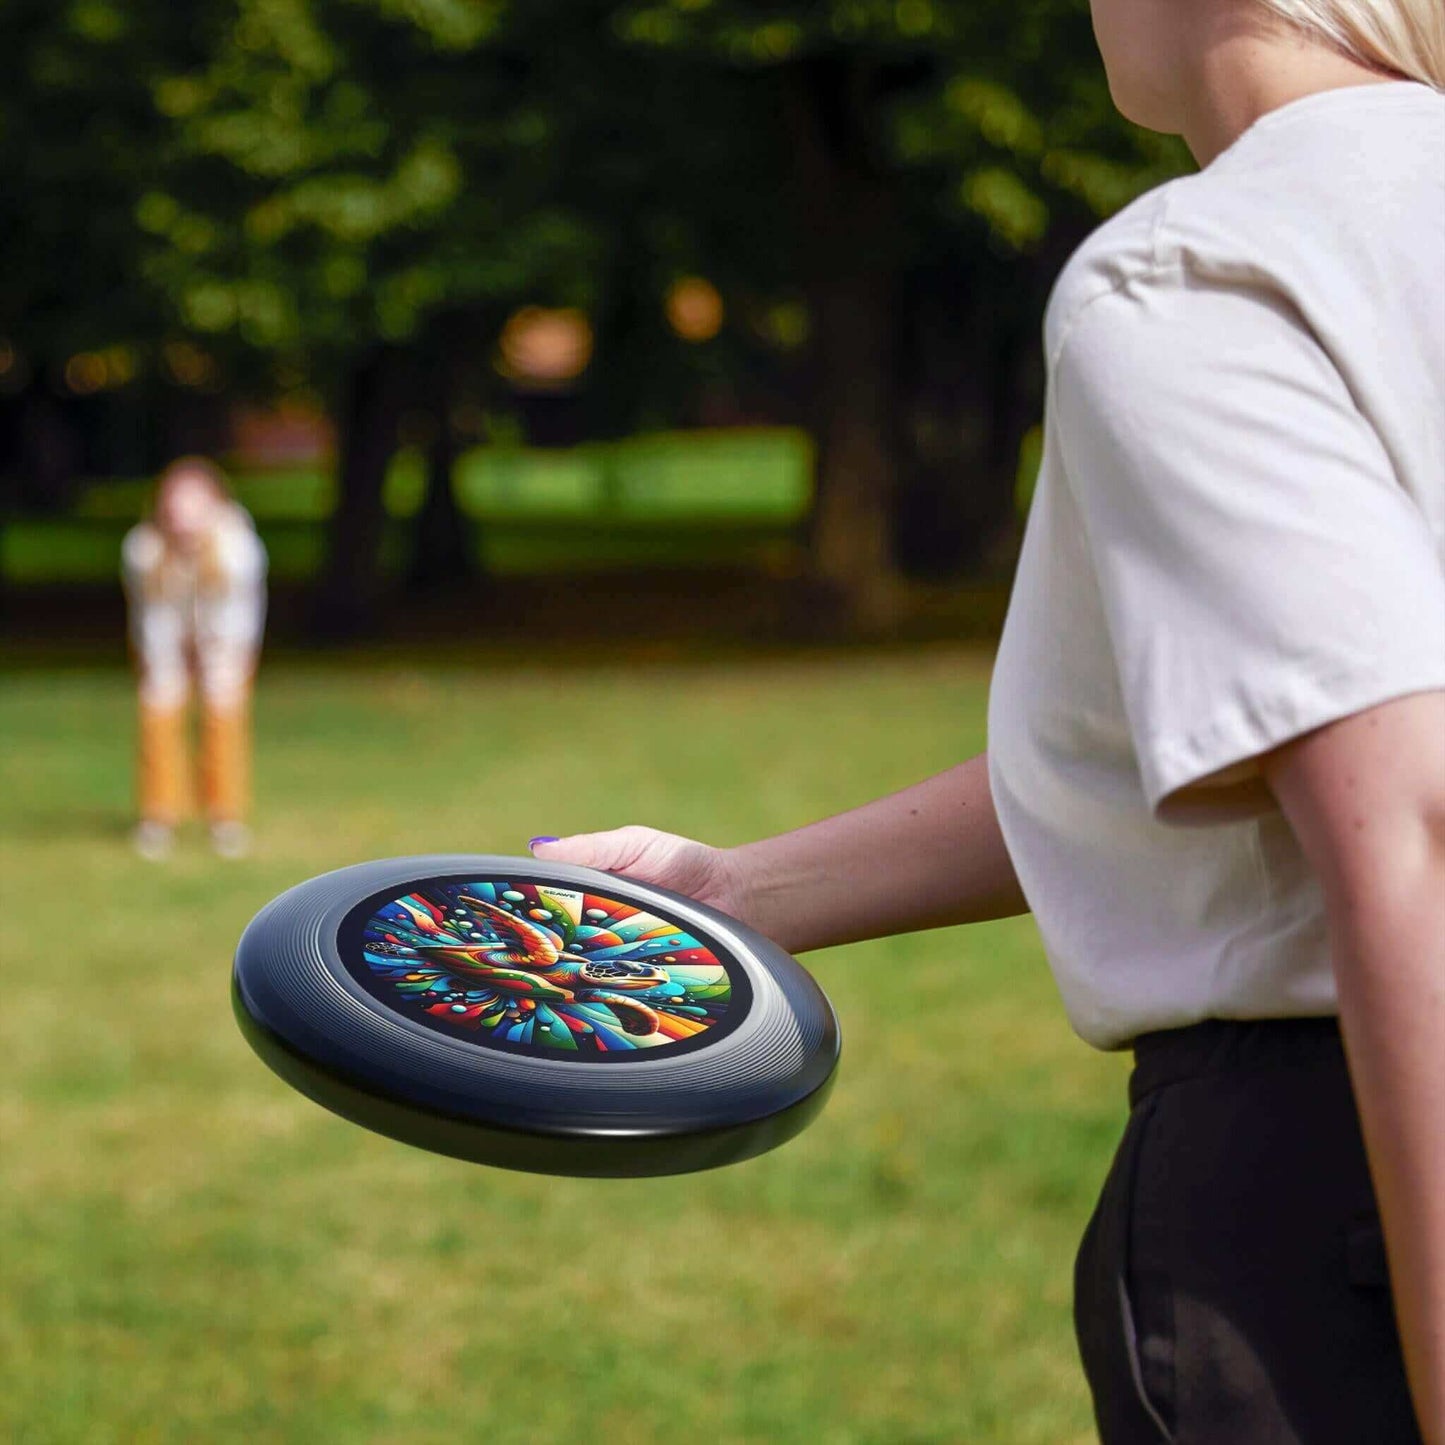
<point x="1404" y="37"/>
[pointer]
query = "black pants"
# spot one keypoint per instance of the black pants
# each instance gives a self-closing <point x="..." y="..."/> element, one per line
<point x="1231" y="1287"/>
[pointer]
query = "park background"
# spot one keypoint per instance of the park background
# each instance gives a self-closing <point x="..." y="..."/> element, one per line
<point x="639" y="402"/>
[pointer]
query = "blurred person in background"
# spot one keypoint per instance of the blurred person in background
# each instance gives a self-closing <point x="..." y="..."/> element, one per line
<point x="195" y="587"/>
<point x="1216" y="761"/>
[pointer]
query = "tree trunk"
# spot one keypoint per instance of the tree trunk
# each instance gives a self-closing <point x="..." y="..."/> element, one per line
<point x="851" y="535"/>
<point x="971" y="377"/>
<point x="970" y="406"/>
<point x="851" y="239"/>
<point x="348" y="599"/>
<point x="441" y="555"/>
<point x="50" y="449"/>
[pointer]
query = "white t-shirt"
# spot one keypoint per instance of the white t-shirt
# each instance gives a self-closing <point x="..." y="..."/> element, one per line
<point x="1238" y="535"/>
<point x="178" y="616"/>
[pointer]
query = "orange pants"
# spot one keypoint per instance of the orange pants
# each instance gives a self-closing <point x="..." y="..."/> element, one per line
<point x="163" y="774"/>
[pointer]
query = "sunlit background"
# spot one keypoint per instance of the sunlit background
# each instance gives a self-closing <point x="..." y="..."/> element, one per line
<point x="639" y="404"/>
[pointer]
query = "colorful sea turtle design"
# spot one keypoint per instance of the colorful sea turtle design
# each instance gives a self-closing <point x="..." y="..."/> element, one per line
<point x="541" y="970"/>
<point x="544" y="968"/>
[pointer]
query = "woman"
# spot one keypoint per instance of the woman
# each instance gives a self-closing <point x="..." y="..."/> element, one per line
<point x="195" y="584"/>
<point x="1217" y="733"/>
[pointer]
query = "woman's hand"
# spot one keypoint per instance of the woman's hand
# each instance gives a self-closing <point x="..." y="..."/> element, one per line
<point x="683" y="865"/>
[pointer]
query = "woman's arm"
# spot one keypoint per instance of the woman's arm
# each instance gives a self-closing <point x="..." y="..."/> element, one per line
<point x="926" y="857"/>
<point x="1366" y="798"/>
<point x="929" y="856"/>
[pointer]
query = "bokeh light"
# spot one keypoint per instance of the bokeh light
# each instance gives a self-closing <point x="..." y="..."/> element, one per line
<point x="88" y="372"/>
<point x="187" y="365"/>
<point x="545" y="347"/>
<point x="85" y="373"/>
<point x="695" y="309"/>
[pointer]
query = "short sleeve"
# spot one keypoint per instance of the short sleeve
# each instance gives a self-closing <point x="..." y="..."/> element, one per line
<point x="240" y="552"/>
<point x="140" y="555"/>
<point x="1262" y="569"/>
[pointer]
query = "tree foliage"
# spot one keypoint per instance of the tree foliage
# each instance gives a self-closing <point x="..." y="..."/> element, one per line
<point x="351" y="195"/>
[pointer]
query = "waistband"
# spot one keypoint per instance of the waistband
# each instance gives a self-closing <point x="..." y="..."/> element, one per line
<point x="1227" y="1046"/>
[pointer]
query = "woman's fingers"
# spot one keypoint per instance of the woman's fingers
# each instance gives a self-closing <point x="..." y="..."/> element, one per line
<point x="646" y="854"/>
<point x="611" y="851"/>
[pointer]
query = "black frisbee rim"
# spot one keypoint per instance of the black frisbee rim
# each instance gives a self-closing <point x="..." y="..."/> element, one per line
<point x="620" y="1154"/>
<point x="310" y="1021"/>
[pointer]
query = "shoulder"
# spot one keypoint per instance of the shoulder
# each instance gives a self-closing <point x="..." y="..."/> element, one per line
<point x="1197" y="234"/>
<point x="240" y="551"/>
<point x="142" y="549"/>
<point x="1292" y="212"/>
<point x="1118" y="254"/>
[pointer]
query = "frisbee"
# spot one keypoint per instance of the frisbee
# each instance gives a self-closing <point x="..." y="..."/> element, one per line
<point x="535" y="1016"/>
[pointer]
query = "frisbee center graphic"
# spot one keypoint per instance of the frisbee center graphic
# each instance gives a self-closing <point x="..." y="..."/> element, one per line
<point x="542" y="969"/>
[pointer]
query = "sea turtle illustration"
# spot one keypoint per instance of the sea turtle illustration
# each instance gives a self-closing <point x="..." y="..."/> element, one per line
<point x="528" y="964"/>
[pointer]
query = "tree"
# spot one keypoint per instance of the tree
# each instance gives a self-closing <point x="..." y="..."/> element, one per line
<point x="80" y="142"/>
<point x="942" y="152"/>
<point x="349" y="172"/>
<point x="346" y="183"/>
<point x="350" y="196"/>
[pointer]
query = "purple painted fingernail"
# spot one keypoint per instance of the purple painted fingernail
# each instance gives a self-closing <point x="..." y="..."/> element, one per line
<point x="532" y="842"/>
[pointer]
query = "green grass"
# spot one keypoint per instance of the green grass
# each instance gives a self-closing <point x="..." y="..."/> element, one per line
<point x="760" y="473"/>
<point x="677" y="498"/>
<point x="62" y="550"/>
<point x="189" y="1252"/>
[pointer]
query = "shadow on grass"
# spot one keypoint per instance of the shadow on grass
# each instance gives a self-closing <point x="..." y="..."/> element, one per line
<point x="722" y="609"/>
<point x="67" y="824"/>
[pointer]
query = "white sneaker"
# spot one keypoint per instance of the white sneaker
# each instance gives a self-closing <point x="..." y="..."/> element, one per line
<point x="152" y="840"/>
<point x="230" y="840"/>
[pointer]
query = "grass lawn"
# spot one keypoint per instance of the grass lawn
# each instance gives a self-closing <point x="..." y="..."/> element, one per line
<point x="189" y="1252"/>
